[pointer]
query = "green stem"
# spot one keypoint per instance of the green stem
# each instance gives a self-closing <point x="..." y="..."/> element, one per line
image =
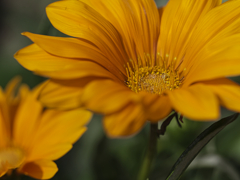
<point x="151" y="151"/>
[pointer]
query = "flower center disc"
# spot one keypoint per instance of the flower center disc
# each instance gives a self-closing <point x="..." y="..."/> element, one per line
<point x="152" y="79"/>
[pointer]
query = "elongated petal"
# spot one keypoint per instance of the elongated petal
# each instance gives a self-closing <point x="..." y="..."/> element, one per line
<point x="72" y="48"/>
<point x="4" y="136"/>
<point x="219" y="23"/>
<point x="25" y="124"/>
<point x="220" y="59"/>
<point x="197" y="102"/>
<point x="48" y="152"/>
<point x="126" y="122"/>
<point x="64" y="94"/>
<point x="36" y="59"/>
<point x="227" y="91"/>
<point x="106" y="96"/>
<point x="133" y="19"/>
<point x="56" y="133"/>
<point x="39" y="169"/>
<point x="11" y="87"/>
<point x="77" y="19"/>
<point x="66" y="47"/>
<point x="179" y="19"/>
<point x="5" y="130"/>
<point x="70" y="123"/>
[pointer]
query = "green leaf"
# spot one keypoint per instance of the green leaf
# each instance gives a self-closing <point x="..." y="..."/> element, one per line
<point x="196" y="146"/>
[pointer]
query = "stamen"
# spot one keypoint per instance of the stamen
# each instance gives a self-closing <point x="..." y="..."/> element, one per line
<point x="154" y="78"/>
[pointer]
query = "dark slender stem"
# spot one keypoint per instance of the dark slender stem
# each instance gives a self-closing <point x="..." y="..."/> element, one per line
<point x="151" y="151"/>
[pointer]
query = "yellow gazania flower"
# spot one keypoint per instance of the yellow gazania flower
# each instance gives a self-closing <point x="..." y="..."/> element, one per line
<point x="31" y="137"/>
<point x="133" y="62"/>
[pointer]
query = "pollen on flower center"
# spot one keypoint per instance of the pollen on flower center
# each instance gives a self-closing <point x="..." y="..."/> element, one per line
<point x="155" y="78"/>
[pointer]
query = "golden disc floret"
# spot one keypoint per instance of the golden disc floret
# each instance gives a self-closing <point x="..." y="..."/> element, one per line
<point x="154" y="79"/>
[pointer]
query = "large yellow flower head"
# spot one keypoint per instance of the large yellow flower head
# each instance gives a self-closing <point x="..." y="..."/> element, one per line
<point x="31" y="137"/>
<point x="133" y="62"/>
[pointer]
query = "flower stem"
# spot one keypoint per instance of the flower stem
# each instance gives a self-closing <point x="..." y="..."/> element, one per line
<point x="151" y="151"/>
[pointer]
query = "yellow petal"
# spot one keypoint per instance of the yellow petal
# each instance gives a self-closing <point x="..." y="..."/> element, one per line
<point x="66" y="47"/>
<point x="72" y="48"/>
<point x="49" y="152"/>
<point x="132" y="19"/>
<point x="197" y="102"/>
<point x="217" y="60"/>
<point x="178" y="21"/>
<point x="11" y="158"/>
<point x="219" y="23"/>
<point x="39" y="169"/>
<point x="125" y="122"/>
<point x="27" y="115"/>
<point x="11" y="87"/>
<point x="3" y="169"/>
<point x="77" y="19"/>
<point x="64" y="125"/>
<point x="64" y="94"/>
<point x="57" y="131"/>
<point x="36" y="59"/>
<point x="227" y="91"/>
<point x="106" y="96"/>
<point x="5" y="131"/>
<point x="156" y="107"/>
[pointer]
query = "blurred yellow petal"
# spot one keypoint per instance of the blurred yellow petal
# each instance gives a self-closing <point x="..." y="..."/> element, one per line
<point x="11" y="87"/>
<point x="11" y="157"/>
<point x="127" y="121"/>
<point x="3" y="169"/>
<point x="50" y="152"/>
<point x="110" y="97"/>
<point x="65" y="94"/>
<point x="22" y="135"/>
<point x="35" y="136"/>
<point x="156" y="107"/>
<point x="57" y="131"/>
<point x="227" y="91"/>
<point x="197" y="102"/>
<point x="65" y="126"/>
<point x="5" y="130"/>
<point x="39" y="169"/>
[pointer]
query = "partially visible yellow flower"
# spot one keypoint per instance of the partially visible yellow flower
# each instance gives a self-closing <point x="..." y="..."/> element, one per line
<point x="32" y="137"/>
<point x="133" y="62"/>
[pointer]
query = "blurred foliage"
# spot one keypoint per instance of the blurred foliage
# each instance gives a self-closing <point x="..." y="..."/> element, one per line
<point x="95" y="156"/>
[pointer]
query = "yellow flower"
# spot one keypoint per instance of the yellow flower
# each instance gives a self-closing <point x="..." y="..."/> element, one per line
<point x="133" y="62"/>
<point x="31" y="137"/>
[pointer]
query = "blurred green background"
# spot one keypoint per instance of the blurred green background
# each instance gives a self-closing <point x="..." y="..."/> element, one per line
<point x="95" y="156"/>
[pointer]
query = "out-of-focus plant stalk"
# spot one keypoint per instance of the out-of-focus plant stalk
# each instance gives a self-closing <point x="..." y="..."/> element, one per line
<point x="150" y="153"/>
